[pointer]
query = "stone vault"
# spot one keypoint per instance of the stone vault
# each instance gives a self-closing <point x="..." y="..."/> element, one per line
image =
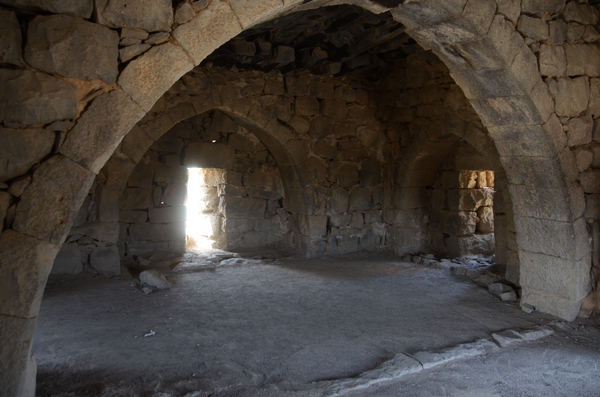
<point x="367" y="114"/>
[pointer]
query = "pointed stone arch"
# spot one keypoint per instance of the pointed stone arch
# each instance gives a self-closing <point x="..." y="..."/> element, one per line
<point x="487" y="58"/>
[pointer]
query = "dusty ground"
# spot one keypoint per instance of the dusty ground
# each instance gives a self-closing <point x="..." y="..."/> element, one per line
<point x="283" y="328"/>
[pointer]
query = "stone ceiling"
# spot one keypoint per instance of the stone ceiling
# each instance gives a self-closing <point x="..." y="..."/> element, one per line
<point x="337" y="40"/>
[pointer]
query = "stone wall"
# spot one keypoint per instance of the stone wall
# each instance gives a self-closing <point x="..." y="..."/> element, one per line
<point x="244" y="191"/>
<point x="462" y="218"/>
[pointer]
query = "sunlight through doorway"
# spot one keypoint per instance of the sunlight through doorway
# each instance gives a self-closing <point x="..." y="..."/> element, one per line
<point x="201" y="203"/>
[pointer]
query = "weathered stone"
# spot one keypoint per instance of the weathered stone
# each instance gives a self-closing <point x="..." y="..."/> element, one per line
<point x="149" y="15"/>
<point x="335" y="109"/>
<point x="348" y="175"/>
<point x="107" y="203"/>
<point x="590" y="181"/>
<point x="575" y="32"/>
<point x="218" y="23"/>
<point x="590" y="35"/>
<point x="557" y="31"/>
<point x="148" y="77"/>
<point x="553" y="61"/>
<point x="92" y="141"/>
<point x="542" y="6"/>
<point x="325" y="149"/>
<point x="238" y="207"/>
<point x="307" y="106"/>
<point x="582" y="60"/>
<point x="321" y="127"/>
<point x="10" y="38"/>
<point x="237" y="225"/>
<point x="572" y="96"/>
<point x="22" y="149"/>
<point x="133" y="216"/>
<point x="105" y="260"/>
<point x="250" y="12"/>
<point x="54" y="45"/>
<point x="132" y="51"/>
<point x="136" y="143"/>
<point x="68" y="260"/>
<point x="209" y="155"/>
<point x="134" y="198"/>
<point x="470" y="199"/>
<point x="157" y="232"/>
<point x="136" y="34"/>
<point x="33" y="98"/>
<point x="310" y="225"/>
<point x="167" y="215"/>
<point x="76" y="8"/>
<point x="454" y="223"/>
<point x="580" y="131"/>
<point x="184" y="13"/>
<point x="534" y="28"/>
<point x="360" y="199"/>
<point x="102" y="231"/>
<point x="51" y="201"/>
<point x="154" y="278"/>
<point x="174" y="195"/>
<point x="321" y="89"/>
<point x="157" y="38"/>
<point x="485" y="220"/>
<point x="370" y="172"/>
<point x="582" y="13"/>
<point x="584" y="159"/>
<point x="338" y="203"/>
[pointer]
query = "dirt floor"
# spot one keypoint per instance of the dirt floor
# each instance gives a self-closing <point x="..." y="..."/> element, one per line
<point x="291" y="326"/>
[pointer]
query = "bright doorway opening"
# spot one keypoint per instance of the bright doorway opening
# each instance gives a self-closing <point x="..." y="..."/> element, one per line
<point x="202" y="222"/>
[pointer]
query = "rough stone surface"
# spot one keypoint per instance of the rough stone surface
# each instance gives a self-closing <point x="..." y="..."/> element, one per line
<point x="54" y="45"/>
<point x="105" y="260"/>
<point x="10" y="38"/>
<point x="76" y="8"/>
<point x="149" y="15"/>
<point x="92" y="141"/>
<point x="146" y="78"/>
<point x="51" y="202"/>
<point x="68" y="260"/>
<point x="33" y="98"/>
<point x="26" y="262"/>
<point x="22" y="149"/>
<point x="218" y="24"/>
<point x="154" y="278"/>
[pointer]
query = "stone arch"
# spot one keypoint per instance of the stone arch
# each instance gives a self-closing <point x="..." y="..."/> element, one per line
<point x="499" y="75"/>
<point x="486" y="56"/>
<point x="419" y="168"/>
<point x="272" y="133"/>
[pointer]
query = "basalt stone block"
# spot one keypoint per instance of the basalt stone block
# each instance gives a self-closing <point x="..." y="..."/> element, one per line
<point x="33" y="98"/>
<point x="52" y="200"/>
<point x="76" y="8"/>
<point x="55" y="44"/>
<point x="360" y="199"/>
<point x="149" y="15"/>
<point x="242" y="207"/>
<point x="21" y="149"/>
<point x="209" y="155"/>
<point x="105" y="260"/>
<point x="68" y="260"/>
<point x="338" y="202"/>
<point x="10" y="38"/>
<point x="540" y="6"/>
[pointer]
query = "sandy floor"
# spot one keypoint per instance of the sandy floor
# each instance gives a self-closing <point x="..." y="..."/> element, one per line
<point x="280" y="328"/>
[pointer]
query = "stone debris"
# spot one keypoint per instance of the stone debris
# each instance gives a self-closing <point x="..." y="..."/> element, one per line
<point x="499" y="288"/>
<point x="151" y="333"/>
<point x="509" y="296"/>
<point x="154" y="278"/>
<point x="404" y="364"/>
<point x="508" y="337"/>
